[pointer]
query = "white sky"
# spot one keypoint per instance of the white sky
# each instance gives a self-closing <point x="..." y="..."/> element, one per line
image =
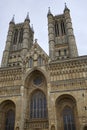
<point x="38" y="16"/>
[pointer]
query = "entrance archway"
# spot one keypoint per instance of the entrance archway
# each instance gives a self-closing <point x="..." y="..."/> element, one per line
<point x="7" y="115"/>
<point x="66" y="112"/>
<point x="37" y="110"/>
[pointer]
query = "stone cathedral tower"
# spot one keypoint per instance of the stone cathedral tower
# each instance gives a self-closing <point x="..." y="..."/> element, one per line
<point x="62" y="43"/>
<point x="41" y="92"/>
<point x="19" y="42"/>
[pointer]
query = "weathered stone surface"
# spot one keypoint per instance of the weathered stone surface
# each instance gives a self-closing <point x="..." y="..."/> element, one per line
<point x="26" y="70"/>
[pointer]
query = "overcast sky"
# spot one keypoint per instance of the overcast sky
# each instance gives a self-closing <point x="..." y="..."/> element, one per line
<point x="38" y="17"/>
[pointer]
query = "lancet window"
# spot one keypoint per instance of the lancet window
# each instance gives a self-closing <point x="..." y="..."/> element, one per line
<point x="15" y="36"/>
<point x="21" y="35"/>
<point x="10" y="119"/>
<point x="56" y="28"/>
<point x="68" y="119"/>
<point x="62" y="28"/>
<point x="38" y="105"/>
<point x="40" y="61"/>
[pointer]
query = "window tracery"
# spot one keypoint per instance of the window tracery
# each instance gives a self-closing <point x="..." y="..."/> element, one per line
<point x="37" y="80"/>
<point x="10" y="119"/>
<point x="68" y="119"/>
<point x="38" y="106"/>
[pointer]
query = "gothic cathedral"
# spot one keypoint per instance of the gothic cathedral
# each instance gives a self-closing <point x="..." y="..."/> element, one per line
<point x="41" y="92"/>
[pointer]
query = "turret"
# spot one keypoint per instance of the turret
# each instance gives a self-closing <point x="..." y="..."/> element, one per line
<point x="70" y="35"/>
<point x="26" y="35"/>
<point x="51" y="34"/>
<point x="8" y="43"/>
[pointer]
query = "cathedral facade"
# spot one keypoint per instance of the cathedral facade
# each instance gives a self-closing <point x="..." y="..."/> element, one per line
<point x="40" y="91"/>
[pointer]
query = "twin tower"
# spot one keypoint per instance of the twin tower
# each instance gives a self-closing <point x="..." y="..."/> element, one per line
<point x="20" y="37"/>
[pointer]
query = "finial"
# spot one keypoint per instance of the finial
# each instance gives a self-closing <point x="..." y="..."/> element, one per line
<point x="66" y="8"/>
<point x="27" y="17"/>
<point x="49" y="12"/>
<point x="13" y="21"/>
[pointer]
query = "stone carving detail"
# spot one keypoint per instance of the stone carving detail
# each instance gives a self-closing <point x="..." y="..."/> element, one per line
<point x="36" y="124"/>
<point x="9" y="91"/>
<point x="68" y="85"/>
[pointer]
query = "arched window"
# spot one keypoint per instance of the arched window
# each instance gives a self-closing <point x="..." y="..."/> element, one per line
<point x="62" y="28"/>
<point x="56" y="28"/>
<point x="38" y="105"/>
<point x="15" y="36"/>
<point x="10" y="119"/>
<point x="40" y="61"/>
<point x="68" y="119"/>
<point x="21" y="36"/>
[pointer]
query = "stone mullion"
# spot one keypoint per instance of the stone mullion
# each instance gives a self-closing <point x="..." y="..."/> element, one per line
<point x="51" y="108"/>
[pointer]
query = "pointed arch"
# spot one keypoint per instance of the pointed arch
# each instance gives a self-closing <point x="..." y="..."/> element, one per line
<point x="30" y="62"/>
<point x="40" y="60"/>
<point x="21" y="35"/>
<point x="10" y="120"/>
<point x="52" y="127"/>
<point x="62" y="28"/>
<point x="56" y="28"/>
<point x="7" y="115"/>
<point x="66" y="111"/>
<point x="15" y="36"/>
<point x="32" y="72"/>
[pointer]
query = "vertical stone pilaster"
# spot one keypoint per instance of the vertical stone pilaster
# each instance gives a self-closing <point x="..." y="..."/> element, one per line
<point x="25" y="37"/>
<point x="22" y="109"/>
<point x="51" y="35"/>
<point x="8" y="44"/>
